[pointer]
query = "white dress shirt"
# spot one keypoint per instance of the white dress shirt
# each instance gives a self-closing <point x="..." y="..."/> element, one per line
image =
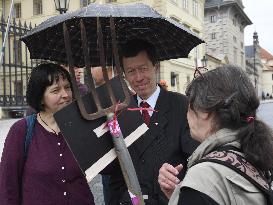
<point x="151" y="100"/>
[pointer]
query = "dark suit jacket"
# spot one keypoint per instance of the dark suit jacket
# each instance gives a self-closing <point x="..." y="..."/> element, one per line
<point x="167" y="140"/>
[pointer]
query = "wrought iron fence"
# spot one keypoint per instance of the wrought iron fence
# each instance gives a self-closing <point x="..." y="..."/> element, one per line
<point x="16" y="66"/>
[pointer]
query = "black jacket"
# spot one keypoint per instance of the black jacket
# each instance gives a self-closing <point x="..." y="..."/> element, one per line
<point x="167" y="140"/>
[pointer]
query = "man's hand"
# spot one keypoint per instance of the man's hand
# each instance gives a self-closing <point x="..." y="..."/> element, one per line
<point x="167" y="178"/>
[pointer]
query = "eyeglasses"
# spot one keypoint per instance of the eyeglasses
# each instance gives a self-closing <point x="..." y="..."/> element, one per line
<point x="133" y="72"/>
<point x="199" y="71"/>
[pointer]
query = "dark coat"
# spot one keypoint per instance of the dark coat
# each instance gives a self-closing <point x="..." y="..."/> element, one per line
<point x="167" y="140"/>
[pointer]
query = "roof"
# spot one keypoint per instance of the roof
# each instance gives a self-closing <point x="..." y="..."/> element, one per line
<point x="237" y="3"/>
<point x="265" y="54"/>
<point x="212" y="3"/>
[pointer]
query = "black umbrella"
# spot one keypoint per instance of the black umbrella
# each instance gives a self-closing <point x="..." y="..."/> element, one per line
<point x="132" y="21"/>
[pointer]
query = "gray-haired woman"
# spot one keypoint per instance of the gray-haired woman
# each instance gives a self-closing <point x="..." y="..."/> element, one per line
<point x="233" y="161"/>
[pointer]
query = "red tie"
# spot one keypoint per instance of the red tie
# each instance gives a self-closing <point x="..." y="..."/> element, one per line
<point x="145" y="113"/>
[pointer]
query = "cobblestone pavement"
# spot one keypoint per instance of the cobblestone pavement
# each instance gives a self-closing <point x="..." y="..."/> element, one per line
<point x="96" y="188"/>
<point x="265" y="112"/>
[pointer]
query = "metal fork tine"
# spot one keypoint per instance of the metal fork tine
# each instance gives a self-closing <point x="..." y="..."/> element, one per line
<point x="100" y="111"/>
<point x="88" y="66"/>
<point x="117" y="63"/>
<point x="114" y="45"/>
<point x="102" y="62"/>
<point x="73" y="79"/>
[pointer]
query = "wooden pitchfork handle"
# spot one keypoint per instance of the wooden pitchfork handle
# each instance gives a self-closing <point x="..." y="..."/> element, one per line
<point x="125" y="161"/>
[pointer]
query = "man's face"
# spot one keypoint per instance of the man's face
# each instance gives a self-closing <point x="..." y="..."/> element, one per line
<point x="141" y="74"/>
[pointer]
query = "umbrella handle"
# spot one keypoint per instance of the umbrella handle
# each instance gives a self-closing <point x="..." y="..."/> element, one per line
<point x="125" y="161"/>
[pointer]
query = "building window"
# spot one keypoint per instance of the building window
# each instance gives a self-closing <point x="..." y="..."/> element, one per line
<point x="188" y="79"/>
<point x="37" y="7"/>
<point x="241" y="29"/>
<point x="187" y="26"/>
<point x="234" y="39"/>
<point x="242" y="45"/>
<point x="195" y="8"/>
<point x="213" y="19"/>
<point x="18" y="88"/>
<point x="272" y="76"/>
<point x="234" y="22"/>
<point x="84" y="3"/>
<point x="17" y="51"/>
<point x="17" y="10"/>
<point x="242" y="59"/>
<point x="175" y="19"/>
<point x="213" y="36"/>
<point x="185" y="4"/>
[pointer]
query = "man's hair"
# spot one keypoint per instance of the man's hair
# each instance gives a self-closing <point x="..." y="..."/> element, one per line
<point x="228" y="93"/>
<point x="133" y="47"/>
<point x="41" y="77"/>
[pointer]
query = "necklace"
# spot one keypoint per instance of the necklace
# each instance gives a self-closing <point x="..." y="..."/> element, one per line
<point x="46" y="124"/>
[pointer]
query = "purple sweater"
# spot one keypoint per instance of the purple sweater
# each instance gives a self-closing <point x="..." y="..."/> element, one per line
<point x="51" y="175"/>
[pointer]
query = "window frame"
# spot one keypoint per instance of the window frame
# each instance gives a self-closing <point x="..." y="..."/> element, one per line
<point x="195" y="8"/>
<point x="213" y="35"/>
<point x="17" y="12"/>
<point x="213" y="19"/>
<point x="37" y="7"/>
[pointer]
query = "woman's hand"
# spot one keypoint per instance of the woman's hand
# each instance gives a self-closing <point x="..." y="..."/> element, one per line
<point x="167" y="178"/>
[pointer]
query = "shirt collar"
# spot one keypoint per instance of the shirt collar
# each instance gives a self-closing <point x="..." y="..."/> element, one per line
<point x="151" y="100"/>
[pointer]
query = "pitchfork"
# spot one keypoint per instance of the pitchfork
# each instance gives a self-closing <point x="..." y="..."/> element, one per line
<point x="124" y="157"/>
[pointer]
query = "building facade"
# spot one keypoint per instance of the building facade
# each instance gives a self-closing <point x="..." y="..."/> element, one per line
<point x="177" y="73"/>
<point x="267" y="72"/>
<point x="225" y="21"/>
<point x="190" y="13"/>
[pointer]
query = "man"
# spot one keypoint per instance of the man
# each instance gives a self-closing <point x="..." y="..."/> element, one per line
<point x="79" y="75"/>
<point x="163" y="84"/>
<point x="167" y="139"/>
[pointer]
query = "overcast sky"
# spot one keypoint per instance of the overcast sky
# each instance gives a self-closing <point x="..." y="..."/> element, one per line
<point x="260" y="13"/>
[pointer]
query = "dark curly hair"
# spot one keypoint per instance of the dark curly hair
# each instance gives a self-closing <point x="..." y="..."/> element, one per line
<point x="41" y="77"/>
<point x="228" y="93"/>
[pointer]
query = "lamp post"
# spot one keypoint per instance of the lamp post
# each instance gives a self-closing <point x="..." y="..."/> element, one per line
<point x="255" y="44"/>
<point x="61" y="5"/>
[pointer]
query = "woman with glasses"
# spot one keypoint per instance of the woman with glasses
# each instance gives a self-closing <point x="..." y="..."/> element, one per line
<point x="47" y="173"/>
<point x="232" y="164"/>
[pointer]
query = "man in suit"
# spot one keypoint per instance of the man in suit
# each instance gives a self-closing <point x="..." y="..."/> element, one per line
<point x="167" y="139"/>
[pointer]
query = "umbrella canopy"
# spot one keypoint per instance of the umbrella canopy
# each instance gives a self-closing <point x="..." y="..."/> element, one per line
<point x="132" y="21"/>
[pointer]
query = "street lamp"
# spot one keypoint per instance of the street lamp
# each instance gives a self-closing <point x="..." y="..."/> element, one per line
<point x="61" y="5"/>
<point x="255" y="43"/>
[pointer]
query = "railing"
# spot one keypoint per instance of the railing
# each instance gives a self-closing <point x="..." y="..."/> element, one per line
<point x="16" y="66"/>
